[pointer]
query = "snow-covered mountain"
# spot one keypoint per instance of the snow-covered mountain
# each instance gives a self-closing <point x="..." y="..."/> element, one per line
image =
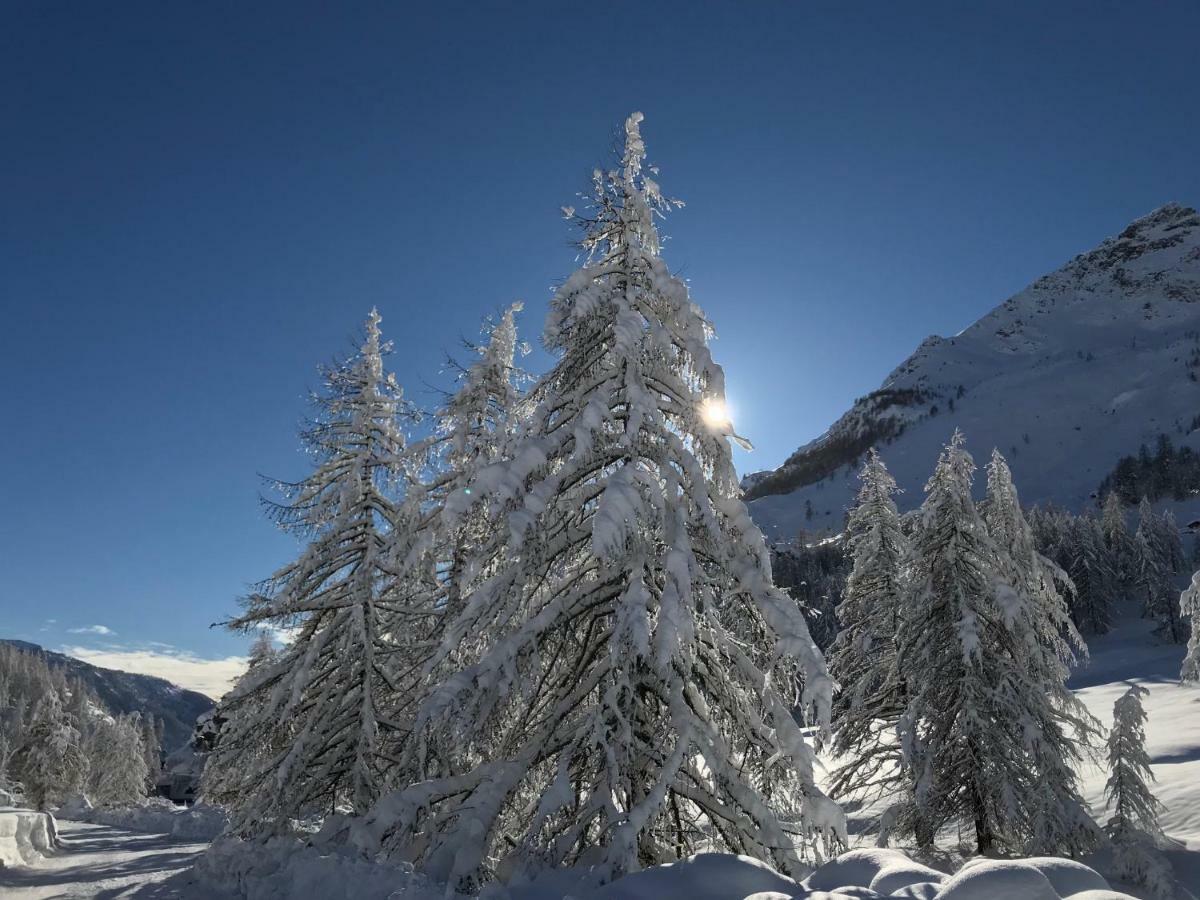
<point x="1068" y="376"/>
<point x="126" y="692"/>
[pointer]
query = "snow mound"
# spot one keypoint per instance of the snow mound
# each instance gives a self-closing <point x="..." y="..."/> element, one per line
<point x="25" y="836"/>
<point x="857" y="868"/>
<point x="1066" y="876"/>
<point x="703" y="876"/>
<point x="891" y="878"/>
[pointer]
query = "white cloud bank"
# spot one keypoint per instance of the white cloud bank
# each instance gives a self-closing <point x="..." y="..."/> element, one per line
<point x="208" y="676"/>
<point x="90" y="629"/>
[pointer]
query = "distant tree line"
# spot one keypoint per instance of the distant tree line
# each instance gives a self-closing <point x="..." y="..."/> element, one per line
<point x="1167" y="471"/>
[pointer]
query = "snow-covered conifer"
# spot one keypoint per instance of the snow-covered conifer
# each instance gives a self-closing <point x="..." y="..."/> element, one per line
<point x="1052" y="722"/>
<point x="863" y="658"/>
<point x="304" y="728"/>
<point x="977" y="709"/>
<point x="1134" y="827"/>
<point x="1189" y="607"/>
<point x="1092" y="569"/>
<point x="50" y="762"/>
<point x="1159" y="557"/>
<point x="634" y="701"/>
<point x="1120" y="544"/>
<point x="117" y="771"/>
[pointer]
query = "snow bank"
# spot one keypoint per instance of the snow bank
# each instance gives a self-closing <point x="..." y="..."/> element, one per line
<point x="289" y="867"/>
<point x="283" y="868"/>
<point x="197" y="823"/>
<point x="25" y="836"/>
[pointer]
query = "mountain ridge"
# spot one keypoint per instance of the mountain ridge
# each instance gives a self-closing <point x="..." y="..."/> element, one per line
<point x="1110" y="341"/>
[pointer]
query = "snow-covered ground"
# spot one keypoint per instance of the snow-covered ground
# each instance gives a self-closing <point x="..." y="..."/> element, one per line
<point x="1130" y="653"/>
<point x="100" y="861"/>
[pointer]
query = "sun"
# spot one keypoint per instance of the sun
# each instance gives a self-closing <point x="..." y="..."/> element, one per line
<point x="715" y="413"/>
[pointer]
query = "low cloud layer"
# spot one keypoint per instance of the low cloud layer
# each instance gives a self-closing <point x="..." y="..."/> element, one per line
<point x="208" y="676"/>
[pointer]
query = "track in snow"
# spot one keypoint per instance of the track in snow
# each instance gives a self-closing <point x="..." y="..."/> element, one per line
<point x="106" y="863"/>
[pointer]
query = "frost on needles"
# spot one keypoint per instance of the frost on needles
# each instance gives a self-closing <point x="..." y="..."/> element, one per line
<point x="632" y="701"/>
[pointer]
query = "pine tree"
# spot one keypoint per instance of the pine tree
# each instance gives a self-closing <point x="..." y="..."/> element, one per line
<point x="634" y="700"/>
<point x="117" y="761"/>
<point x="1134" y="828"/>
<point x="1054" y="725"/>
<point x="304" y="728"/>
<point x="152" y="749"/>
<point x="50" y="763"/>
<point x="975" y="637"/>
<point x="1159" y="557"/>
<point x="1089" y="563"/>
<point x="863" y="659"/>
<point x="1189" y="607"/>
<point x="1121" y="547"/>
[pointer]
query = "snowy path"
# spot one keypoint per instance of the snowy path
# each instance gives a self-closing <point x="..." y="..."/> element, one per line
<point x="106" y="863"/>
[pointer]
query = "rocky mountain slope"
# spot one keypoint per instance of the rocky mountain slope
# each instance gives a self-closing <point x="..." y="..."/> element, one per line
<point x="125" y="692"/>
<point x="1076" y="371"/>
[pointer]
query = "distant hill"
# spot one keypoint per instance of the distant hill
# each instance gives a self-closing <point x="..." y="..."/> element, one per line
<point x="125" y="692"/>
<point x="1067" y="378"/>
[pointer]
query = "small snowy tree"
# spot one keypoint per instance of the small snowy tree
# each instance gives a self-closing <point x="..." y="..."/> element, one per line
<point x="1189" y="608"/>
<point x="1054" y="725"/>
<point x="118" y="772"/>
<point x="634" y="699"/>
<point x="303" y="730"/>
<point x="863" y="658"/>
<point x="1134" y="828"/>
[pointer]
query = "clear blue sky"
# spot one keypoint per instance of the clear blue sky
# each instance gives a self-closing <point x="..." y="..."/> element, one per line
<point x="199" y="202"/>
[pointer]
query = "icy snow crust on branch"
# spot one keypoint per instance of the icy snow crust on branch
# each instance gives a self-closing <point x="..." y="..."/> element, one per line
<point x="624" y="670"/>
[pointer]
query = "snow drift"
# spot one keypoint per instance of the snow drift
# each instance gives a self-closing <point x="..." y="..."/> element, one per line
<point x="25" y="836"/>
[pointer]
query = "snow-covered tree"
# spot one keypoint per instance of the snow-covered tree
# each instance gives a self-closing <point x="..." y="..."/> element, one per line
<point x="1189" y="608"/>
<point x="1121" y="548"/>
<point x="117" y="770"/>
<point x="1134" y="827"/>
<point x="1053" y="724"/>
<point x="1093" y="572"/>
<point x="304" y="728"/>
<point x="863" y="657"/>
<point x="1159" y="557"/>
<point x="50" y="762"/>
<point x="634" y="699"/>
<point x="152" y="749"/>
<point x="986" y="711"/>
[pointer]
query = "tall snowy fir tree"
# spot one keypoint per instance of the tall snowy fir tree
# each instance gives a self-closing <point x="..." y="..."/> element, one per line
<point x="1037" y="644"/>
<point x="474" y="427"/>
<point x="1159" y="557"/>
<point x="304" y="728"/>
<point x="863" y="657"/>
<point x="1189" y="607"/>
<point x="1121" y="548"/>
<point x="1134" y="828"/>
<point x="634" y="701"/>
<point x="978" y="723"/>
<point x="1094" y="574"/>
